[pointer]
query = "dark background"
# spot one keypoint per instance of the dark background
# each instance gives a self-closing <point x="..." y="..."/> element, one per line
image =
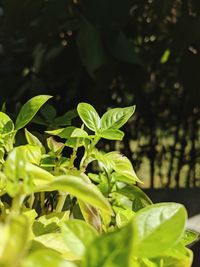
<point x="114" y="53"/>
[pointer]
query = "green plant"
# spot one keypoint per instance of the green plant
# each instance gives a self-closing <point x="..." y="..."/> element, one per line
<point x="54" y="212"/>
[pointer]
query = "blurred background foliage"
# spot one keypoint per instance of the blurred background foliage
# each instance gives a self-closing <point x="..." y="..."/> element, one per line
<point x="114" y="53"/>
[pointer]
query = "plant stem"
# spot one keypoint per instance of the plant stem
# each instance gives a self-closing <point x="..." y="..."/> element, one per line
<point x="86" y="157"/>
<point x="61" y="202"/>
<point x="72" y="158"/>
<point x="42" y="200"/>
<point x="17" y="202"/>
<point x="31" y="200"/>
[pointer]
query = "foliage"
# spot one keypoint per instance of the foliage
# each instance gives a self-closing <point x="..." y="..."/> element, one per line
<point x="124" y="52"/>
<point x="54" y="212"/>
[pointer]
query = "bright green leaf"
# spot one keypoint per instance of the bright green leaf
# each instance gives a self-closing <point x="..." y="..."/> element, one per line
<point x="165" y="56"/>
<point x="29" y="109"/>
<point x="189" y="237"/>
<point x="159" y="227"/>
<point x="79" y="133"/>
<point x="54" y="146"/>
<point x="177" y="256"/>
<point x="78" y="235"/>
<point x="111" y="250"/>
<point x="6" y="124"/>
<point x="116" y="118"/>
<point x="123" y="216"/>
<point x="13" y="241"/>
<point x="50" y="223"/>
<point x="112" y="134"/>
<point x="139" y="198"/>
<point x="76" y="186"/>
<point x="46" y="257"/>
<point x="89" y="116"/>
<point x="121" y="165"/>
<point x="33" y="140"/>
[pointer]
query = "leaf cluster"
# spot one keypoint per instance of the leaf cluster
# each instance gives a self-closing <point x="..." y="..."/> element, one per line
<point x="54" y="212"/>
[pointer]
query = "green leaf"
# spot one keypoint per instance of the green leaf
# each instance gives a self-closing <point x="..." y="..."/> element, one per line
<point x="65" y="119"/>
<point x="123" y="216"/>
<point x="159" y="227"/>
<point x="54" y="146"/>
<point x="6" y="124"/>
<point x="121" y="165"/>
<point x="80" y="133"/>
<point x="165" y="56"/>
<point x="15" y="164"/>
<point x="91" y="48"/>
<point x="139" y="198"/>
<point x="55" y="132"/>
<point x="177" y="256"/>
<point x="46" y="257"/>
<point x="89" y="116"/>
<point x="78" y="235"/>
<point x="48" y="112"/>
<point x="76" y="186"/>
<point x="49" y="223"/>
<point x="29" y="109"/>
<point x="111" y="250"/>
<point x="91" y="215"/>
<point x="56" y="242"/>
<point x="13" y="241"/>
<point x="189" y="237"/>
<point x="112" y="134"/>
<point x="39" y="176"/>
<point x="19" y="166"/>
<point x="17" y="158"/>
<point x="116" y="118"/>
<point x="33" y="140"/>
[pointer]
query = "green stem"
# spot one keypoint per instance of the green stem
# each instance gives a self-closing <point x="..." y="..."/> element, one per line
<point x="86" y="157"/>
<point x="61" y="202"/>
<point x="42" y="201"/>
<point x="72" y="158"/>
<point x="17" y="203"/>
<point x="31" y="200"/>
<point x="2" y="208"/>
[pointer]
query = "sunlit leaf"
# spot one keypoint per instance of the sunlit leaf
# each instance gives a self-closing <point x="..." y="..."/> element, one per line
<point x="29" y="109"/>
<point x="76" y="186"/>
<point x="111" y="250"/>
<point x="13" y="241"/>
<point x="159" y="227"/>
<point x="89" y="116"/>
<point x="116" y="118"/>
<point x="46" y="257"/>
